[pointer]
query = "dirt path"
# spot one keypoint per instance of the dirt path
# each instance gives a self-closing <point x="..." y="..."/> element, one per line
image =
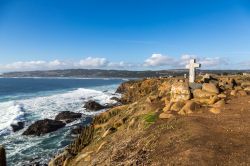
<point x="205" y="139"/>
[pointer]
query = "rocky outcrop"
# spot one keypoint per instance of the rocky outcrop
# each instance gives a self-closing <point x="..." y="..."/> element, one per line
<point x="67" y="116"/>
<point x="209" y="87"/>
<point x="41" y="127"/>
<point x="93" y="106"/>
<point x="2" y="156"/>
<point x="180" y="92"/>
<point x="189" y="108"/>
<point x="18" y="126"/>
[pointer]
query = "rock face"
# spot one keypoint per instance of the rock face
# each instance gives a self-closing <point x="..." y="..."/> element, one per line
<point x="209" y="87"/>
<point x="68" y="116"/>
<point x="92" y="105"/>
<point x="189" y="108"/>
<point x="44" y="126"/>
<point x="18" y="126"/>
<point x="180" y="92"/>
<point x="2" y="156"/>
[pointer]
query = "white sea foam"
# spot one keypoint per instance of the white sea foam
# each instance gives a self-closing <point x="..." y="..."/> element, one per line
<point x="48" y="106"/>
<point x="10" y="112"/>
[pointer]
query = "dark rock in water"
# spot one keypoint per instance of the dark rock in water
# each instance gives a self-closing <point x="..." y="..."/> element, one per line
<point x="77" y="130"/>
<point x="18" y="126"/>
<point x="92" y="105"/>
<point x="68" y="116"/>
<point x="2" y="156"/>
<point x="44" y="126"/>
<point x="115" y="99"/>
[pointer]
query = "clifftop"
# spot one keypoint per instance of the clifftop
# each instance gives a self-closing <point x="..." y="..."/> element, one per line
<point x="167" y="121"/>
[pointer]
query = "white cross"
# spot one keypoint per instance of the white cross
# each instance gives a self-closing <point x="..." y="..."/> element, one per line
<point x="192" y="66"/>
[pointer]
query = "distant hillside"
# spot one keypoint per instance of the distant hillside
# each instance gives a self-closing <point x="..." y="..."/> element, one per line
<point x="97" y="73"/>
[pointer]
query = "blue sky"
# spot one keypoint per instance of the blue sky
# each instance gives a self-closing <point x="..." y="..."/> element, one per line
<point x="123" y="34"/>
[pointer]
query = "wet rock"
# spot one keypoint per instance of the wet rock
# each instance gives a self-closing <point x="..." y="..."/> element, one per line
<point x="18" y="126"/>
<point x="2" y="156"/>
<point x="41" y="127"/>
<point x="93" y="105"/>
<point x="115" y="99"/>
<point x="68" y="116"/>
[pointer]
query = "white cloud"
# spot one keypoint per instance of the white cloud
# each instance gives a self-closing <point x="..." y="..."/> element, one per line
<point x="93" y="62"/>
<point x="89" y="62"/>
<point x="158" y="60"/>
<point x="154" y="61"/>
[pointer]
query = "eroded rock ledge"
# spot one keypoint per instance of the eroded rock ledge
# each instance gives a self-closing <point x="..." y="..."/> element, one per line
<point x="169" y="121"/>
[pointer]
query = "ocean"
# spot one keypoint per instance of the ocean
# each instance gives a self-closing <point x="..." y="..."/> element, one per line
<point x="32" y="99"/>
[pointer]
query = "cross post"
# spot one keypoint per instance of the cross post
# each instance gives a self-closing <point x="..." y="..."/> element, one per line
<point x="192" y="66"/>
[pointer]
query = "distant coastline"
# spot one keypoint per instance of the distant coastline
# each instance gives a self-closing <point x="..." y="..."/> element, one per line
<point x="108" y="74"/>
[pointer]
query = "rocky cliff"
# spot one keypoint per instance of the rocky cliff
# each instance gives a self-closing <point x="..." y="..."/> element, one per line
<point x="169" y="121"/>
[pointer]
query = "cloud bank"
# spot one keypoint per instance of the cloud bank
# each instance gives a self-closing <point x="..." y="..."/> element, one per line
<point x="155" y="61"/>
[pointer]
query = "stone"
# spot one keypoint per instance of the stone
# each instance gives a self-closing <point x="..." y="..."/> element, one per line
<point x="222" y="95"/>
<point x="215" y="110"/>
<point x="67" y="116"/>
<point x="165" y="115"/>
<point x="227" y="83"/>
<point x="93" y="106"/>
<point x="189" y="108"/>
<point x="18" y="126"/>
<point x="220" y="104"/>
<point x="206" y="78"/>
<point x="238" y="93"/>
<point x="2" y="156"/>
<point x="192" y="66"/>
<point x="115" y="99"/>
<point x="194" y="86"/>
<point x="205" y="97"/>
<point x="180" y="92"/>
<point x="41" y="127"/>
<point x="242" y="93"/>
<point x="198" y="93"/>
<point x="209" y="87"/>
<point x="177" y="106"/>
<point x="247" y="89"/>
<point x="245" y="84"/>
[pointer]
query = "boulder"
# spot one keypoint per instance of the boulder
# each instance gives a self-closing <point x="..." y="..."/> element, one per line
<point x="177" y="106"/>
<point x="198" y="93"/>
<point x="215" y="110"/>
<point x="238" y="93"/>
<point x="68" y="116"/>
<point x="209" y="87"/>
<point x="205" y="97"/>
<point x="180" y="92"/>
<point x="189" y="108"/>
<point x="227" y="83"/>
<point x="93" y="105"/>
<point x="2" y="156"/>
<point x="220" y="104"/>
<point x="18" y="126"/>
<point x="245" y="84"/>
<point x="115" y="99"/>
<point x="41" y="127"/>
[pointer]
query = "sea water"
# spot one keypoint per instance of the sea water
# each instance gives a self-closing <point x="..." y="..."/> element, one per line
<point x="32" y="99"/>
